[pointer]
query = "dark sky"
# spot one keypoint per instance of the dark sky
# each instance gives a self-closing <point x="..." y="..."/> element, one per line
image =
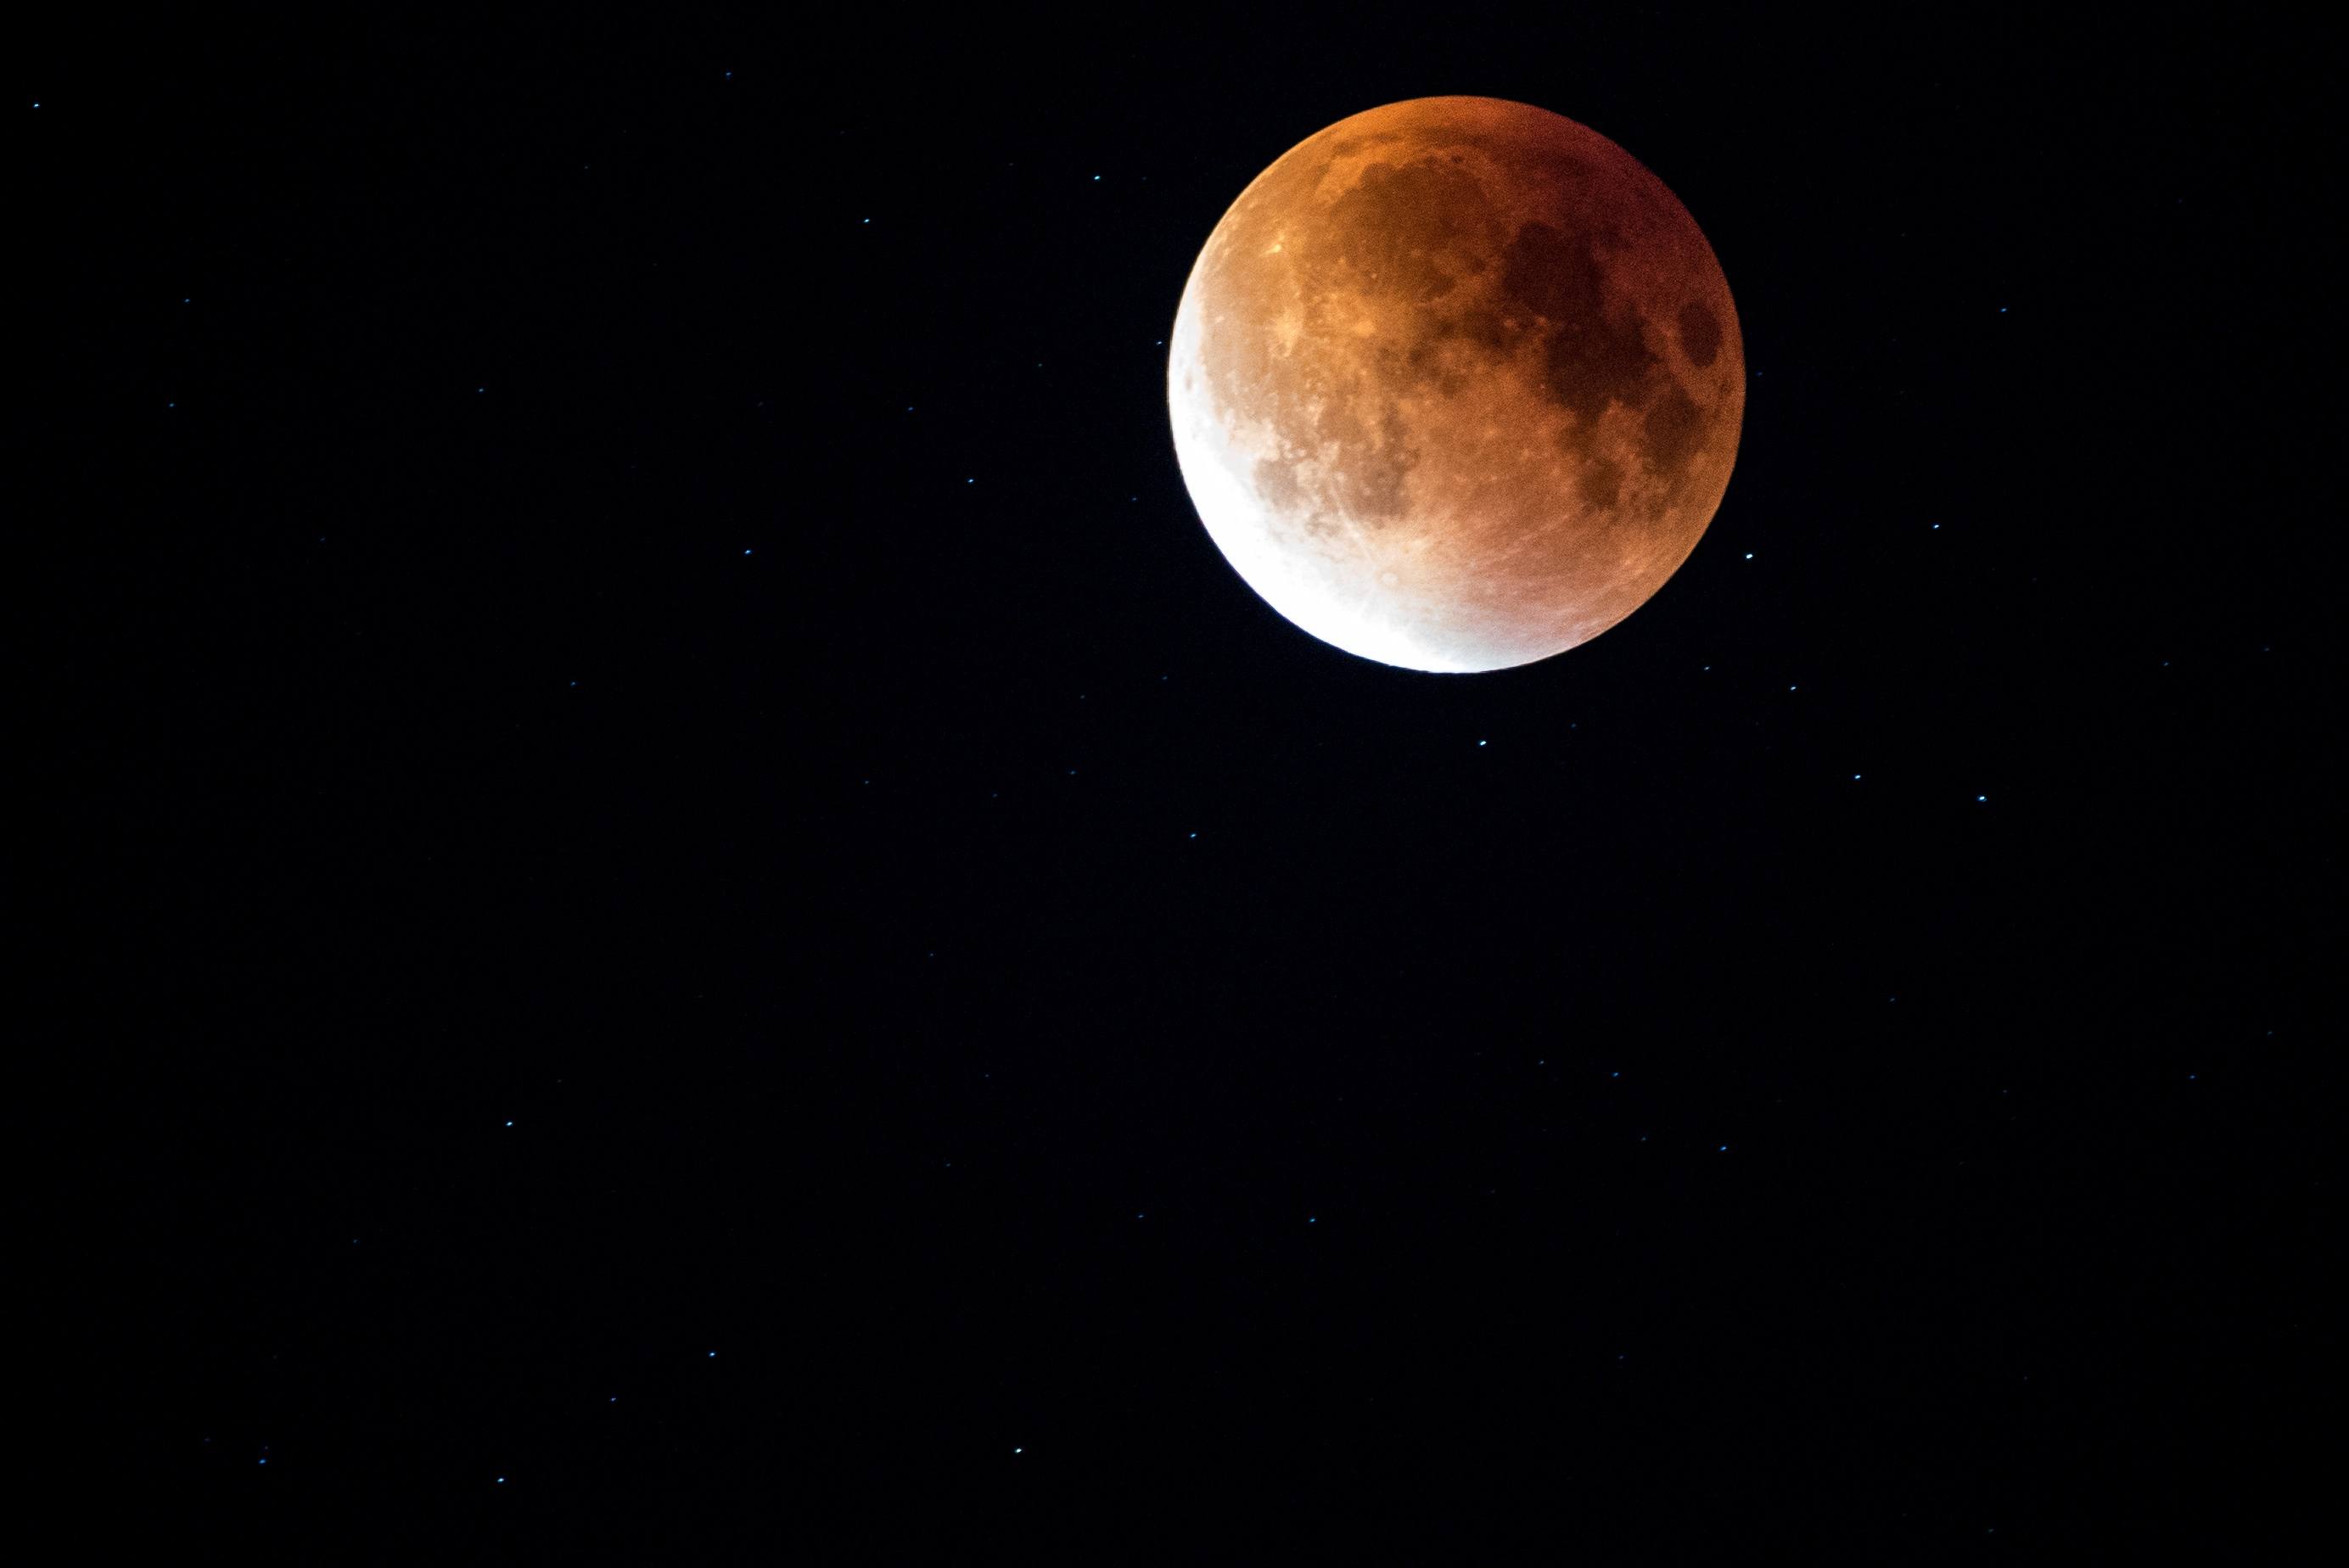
<point x="696" y="914"/>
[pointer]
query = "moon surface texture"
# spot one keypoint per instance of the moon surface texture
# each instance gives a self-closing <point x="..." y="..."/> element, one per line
<point x="1456" y="383"/>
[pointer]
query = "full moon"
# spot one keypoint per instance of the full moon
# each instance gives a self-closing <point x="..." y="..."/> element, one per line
<point x="1456" y="383"/>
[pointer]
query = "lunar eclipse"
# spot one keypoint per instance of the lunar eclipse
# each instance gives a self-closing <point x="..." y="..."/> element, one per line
<point x="1456" y="383"/>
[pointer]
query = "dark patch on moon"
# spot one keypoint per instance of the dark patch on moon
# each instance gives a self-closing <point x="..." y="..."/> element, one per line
<point x="1593" y="357"/>
<point x="1412" y="230"/>
<point x="1675" y="429"/>
<point x="1601" y="484"/>
<point x="1700" y="334"/>
<point x="1550" y="275"/>
<point x="1486" y="328"/>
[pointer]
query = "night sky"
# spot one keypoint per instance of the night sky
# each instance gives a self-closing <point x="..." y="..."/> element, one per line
<point x="693" y="921"/>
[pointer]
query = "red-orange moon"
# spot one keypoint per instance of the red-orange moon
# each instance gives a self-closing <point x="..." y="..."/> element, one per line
<point x="1456" y="383"/>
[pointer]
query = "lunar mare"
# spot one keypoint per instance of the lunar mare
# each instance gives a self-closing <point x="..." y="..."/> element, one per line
<point x="1456" y="383"/>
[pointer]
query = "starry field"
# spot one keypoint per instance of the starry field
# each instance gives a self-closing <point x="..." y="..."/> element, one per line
<point x="680" y="915"/>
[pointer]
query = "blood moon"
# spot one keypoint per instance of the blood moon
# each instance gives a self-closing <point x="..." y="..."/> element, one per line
<point x="1456" y="383"/>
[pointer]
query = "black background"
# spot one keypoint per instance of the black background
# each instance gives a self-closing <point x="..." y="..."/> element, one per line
<point x="633" y="680"/>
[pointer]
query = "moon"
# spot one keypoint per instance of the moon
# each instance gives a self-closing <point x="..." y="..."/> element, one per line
<point x="1456" y="383"/>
